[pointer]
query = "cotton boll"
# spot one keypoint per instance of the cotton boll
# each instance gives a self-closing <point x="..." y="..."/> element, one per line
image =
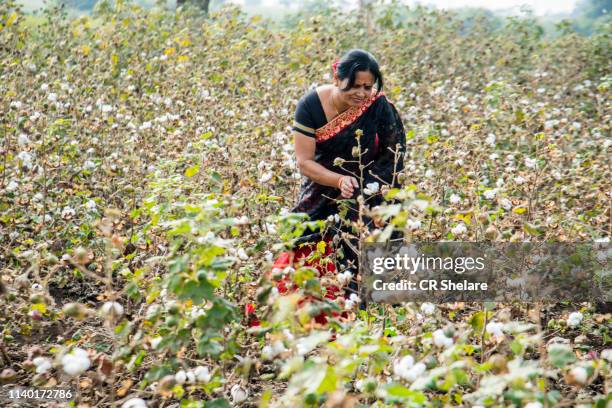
<point x="134" y="403"/>
<point x="242" y="254"/>
<point x="155" y="342"/>
<point x="530" y="163"/>
<point x="42" y="364"/>
<point x="266" y="177"/>
<point x="607" y="355"/>
<point x="111" y="310"/>
<point x="371" y="188"/>
<point x="402" y="365"/>
<point x="574" y="319"/>
<point x="440" y="339"/>
<point x="180" y="377"/>
<point x="413" y="224"/>
<point x="428" y="308"/>
<point x="495" y="329"/>
<point x="23" y="139"/>
<point x="238" y="394"/>
<point x="413" y="373"/>
<point x="90" y="205"/>
<point x="505" y="203"/>
<point x="12" y="186"/>
<point x="579" y="375"/>
<point x="76" y="362"/>
<point x="490" y="194"/>
<point x="454" y="199"/>
<point x="344" y="278"/>
<point x="202" y="374"/>
<point x="459" y="229"/>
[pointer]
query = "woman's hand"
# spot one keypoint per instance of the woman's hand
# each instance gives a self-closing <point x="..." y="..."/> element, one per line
<point x="347" y="184"/>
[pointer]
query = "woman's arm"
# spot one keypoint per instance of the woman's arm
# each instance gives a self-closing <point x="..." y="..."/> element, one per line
<point x="305" y="153"/>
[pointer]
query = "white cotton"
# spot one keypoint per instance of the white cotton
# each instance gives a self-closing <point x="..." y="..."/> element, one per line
<point x="191" y="378"/>
<point x="531" y="163"/>
<point x="76" y="362"/>
<point x="440" y="339"/>
<point x="111" y="310"/>
<point x="495" y="329"/>
<point x="134" y="403"/>
<point x="579" y="374"/>
<point x="534" y="404"/>
<point x="12" y="186"/>
<point x="238" y="394"/>
<point x="266" y="177"/>
<point x="202" y="374"/>
<point x="242" y="254"/>
<point x="344" y="278"/>
<point x="413" y="224"/>
<point x="403" y="364"/>
<point x="371" y="188"/>
<point x="42" y="364"/>
<point x="413" y="373"/>
<point x="68" y="212"/>
<point x="243" y="220"/>
<point x="490" y="140"/>
<point x="90" y="205"/>
<point x="89" y="165"/>
<point x="428" y="308"/>
<point x="607" y="355"/>
<point x="574" y="319"/>
<point x="490" y="194"/>
<point x="505" y="203"/>
<point x="180" y="377"/>
<point x="52" y="97"/>
<point x="459" y="229"/>
<point x="25" y="158"/>
<point x="23" y="139"/>
<point x="519" y="180"/>
<point x="455" y="198"/>
<point x="155" y="341"/>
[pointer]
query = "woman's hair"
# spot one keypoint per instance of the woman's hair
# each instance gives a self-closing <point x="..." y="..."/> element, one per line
<point x="358" y="60"/>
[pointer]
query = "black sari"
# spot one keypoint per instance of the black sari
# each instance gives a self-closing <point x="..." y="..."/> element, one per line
<point x="382" y="129"/>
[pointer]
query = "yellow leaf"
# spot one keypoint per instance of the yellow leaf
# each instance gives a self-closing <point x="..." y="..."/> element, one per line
<point x="519" y="210"/>
<point x="41" y="307"/>
<point x="192" y="171"/>
<point x="115" y="59"/>
<point x="85" y="49"/>
<point x="321" y="246"/>
<point x="11" y="19"/>
<point x="467" y="218"/>
<point x="169" y="51"/>
<point x="185" y="42"/>
<point x="183" y="58"/>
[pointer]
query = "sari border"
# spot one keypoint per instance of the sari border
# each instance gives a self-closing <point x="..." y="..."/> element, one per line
<point x="340" y="122"/>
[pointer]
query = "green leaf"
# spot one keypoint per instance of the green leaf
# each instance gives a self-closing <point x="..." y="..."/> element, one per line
<point x="218" y="403"/>
<point x="560" y="355"/>
<point x="329" y="381"/>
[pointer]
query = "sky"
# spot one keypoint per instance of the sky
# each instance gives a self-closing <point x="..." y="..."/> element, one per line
<point x="539" y="7"/>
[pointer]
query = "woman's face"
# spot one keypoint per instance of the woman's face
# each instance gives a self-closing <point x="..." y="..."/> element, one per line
<point x="361" y="90"/>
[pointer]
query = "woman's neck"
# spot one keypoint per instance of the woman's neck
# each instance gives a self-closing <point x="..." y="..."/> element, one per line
<point x="337" y="101"/>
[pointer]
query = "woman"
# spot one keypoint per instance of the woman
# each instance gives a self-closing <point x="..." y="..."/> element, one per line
<point x="331" y="122"/>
